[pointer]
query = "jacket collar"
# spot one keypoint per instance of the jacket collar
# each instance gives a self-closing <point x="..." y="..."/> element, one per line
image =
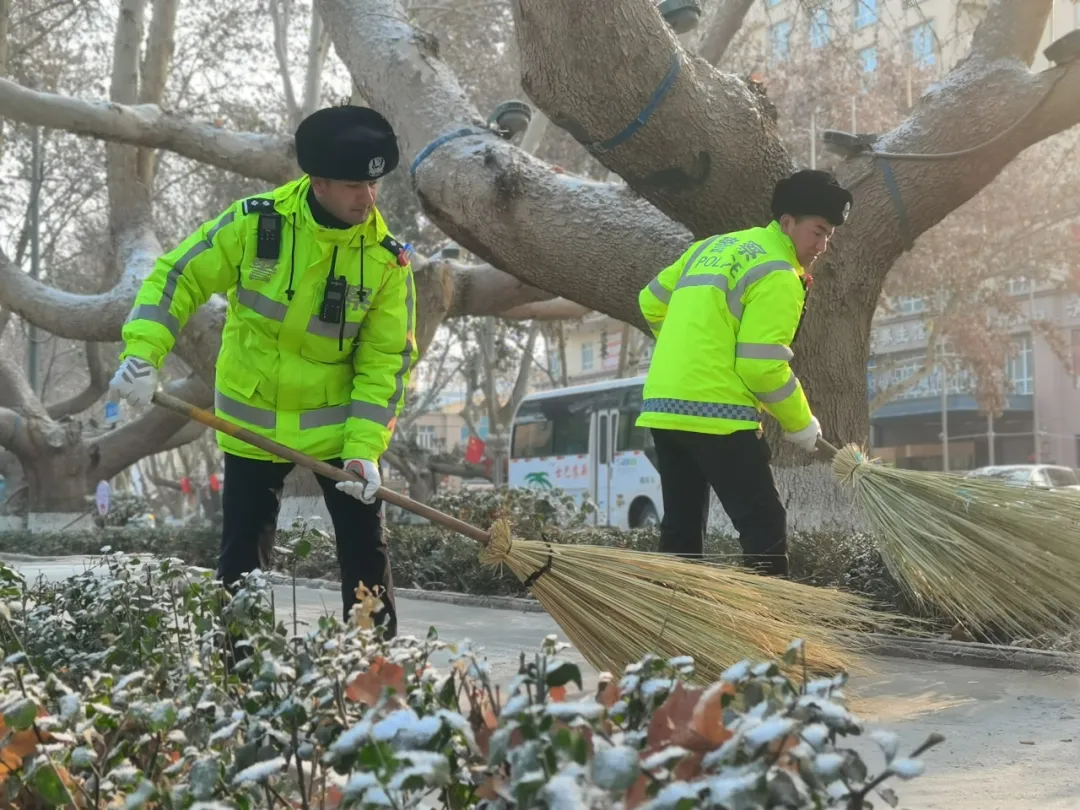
<point x="787" y="247"/>
<point x="291" y="199"/>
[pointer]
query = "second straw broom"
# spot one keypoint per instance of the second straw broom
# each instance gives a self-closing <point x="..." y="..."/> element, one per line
<point x="617" y="605"/>
<point x="988" y="554"/>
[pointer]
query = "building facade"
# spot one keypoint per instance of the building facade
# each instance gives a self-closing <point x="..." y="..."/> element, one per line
<point x="933" y="32"/>
<point x="935" y="421"/>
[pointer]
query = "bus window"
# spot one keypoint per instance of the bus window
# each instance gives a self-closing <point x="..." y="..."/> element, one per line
<point x="532" y="439"/>
<point x="629" y="436"/>
<point x="571" y="428"/>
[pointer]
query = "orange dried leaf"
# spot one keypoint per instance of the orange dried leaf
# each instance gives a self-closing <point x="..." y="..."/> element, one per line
<point x="706" y="728"/>
<point x="673" y="715"/>
<point x="490" y="789"/>
<point x="368" y="686"/>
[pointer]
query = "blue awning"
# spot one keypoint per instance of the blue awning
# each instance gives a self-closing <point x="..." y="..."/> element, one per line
<point x="960" y="403"/>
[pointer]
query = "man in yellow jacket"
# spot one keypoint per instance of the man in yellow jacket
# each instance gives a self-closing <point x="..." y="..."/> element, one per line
<point x="318" y="345"/>
<point x="724" y="316"/>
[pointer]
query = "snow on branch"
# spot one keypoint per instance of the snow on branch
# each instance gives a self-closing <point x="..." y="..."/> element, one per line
<point x="1011" y="29"/>
<point x="267" y="157"/>
<point x="709" y="151"/>
<point x="563" y="234"/>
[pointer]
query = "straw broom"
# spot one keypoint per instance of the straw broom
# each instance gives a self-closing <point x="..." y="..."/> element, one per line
<point x="986" y="553"/>
<point x="616" y="605"/>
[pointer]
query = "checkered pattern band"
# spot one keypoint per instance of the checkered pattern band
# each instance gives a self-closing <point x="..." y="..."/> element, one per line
<point x="709" y="410"/>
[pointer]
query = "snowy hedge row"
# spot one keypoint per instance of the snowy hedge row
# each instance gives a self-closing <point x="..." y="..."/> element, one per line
<point x="113" y="693"/>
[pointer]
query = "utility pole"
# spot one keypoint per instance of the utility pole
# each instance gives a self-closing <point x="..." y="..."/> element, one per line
<point x="35" y="248"/>
<point x="990" y="436"/>
<point x="1036" y="439"/>
<point x="944" y="417"/>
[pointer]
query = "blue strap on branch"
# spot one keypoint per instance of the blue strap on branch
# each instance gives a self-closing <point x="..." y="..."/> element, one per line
<point x="898" y="203"/>
<point x="435" y="144"/>
<point x="599" y="148"/>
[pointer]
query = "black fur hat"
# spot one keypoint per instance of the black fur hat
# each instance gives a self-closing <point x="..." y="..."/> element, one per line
<point x="812" y="193"/>
<point x="346" y="143"/>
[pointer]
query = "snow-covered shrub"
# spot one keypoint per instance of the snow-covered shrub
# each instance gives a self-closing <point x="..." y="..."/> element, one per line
<point x="114" y="693"/>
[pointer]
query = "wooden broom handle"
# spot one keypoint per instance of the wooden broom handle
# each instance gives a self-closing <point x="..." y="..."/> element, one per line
<point x="321" y="467"/>
<point x="827" y="448"/>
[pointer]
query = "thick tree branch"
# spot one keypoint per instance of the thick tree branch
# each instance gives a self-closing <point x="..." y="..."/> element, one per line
<point x="98" y="385"/>
<point x="710" y="152"/>
<point x="557" y="309"/>
<point x="128" y="198"/>
<point x="120" y="448"/>
<point x="184" y="436"/>
<point x="725" y="24"/>
<point x="503" y="205"/>
<point x="15" y="390"/>
<point x="484" y="290"/>
<point x="154" y="77"/>
<point x="318" y="48"/>
<point x="268" y="157"/>
<point x="14" y="433"/>
<point x="1011" y="29"/>
<point x="280" y="17"/>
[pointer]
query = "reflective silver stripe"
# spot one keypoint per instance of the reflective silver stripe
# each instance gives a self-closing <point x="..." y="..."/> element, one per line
<point x="161" y="315"/>
<point x="178" y="269"/>
<point x="332" y="330"/>
<point x="694" y="256"/>
<point x="654" y="325"/>
<point x="257" y="302"/>
<point x="763" y="351"/>
<point x="406" y="354"/>
<point x="324" y="417"/>
<point x="754" y="274"/>
<point x="704" y="280"/>
<point x="380" y="414"/>
<point x="662" y="293"/>
<point x="337" y="414"/>
<point x="245" y="413"/>
<point x="781" y="393"/>
<point x="734" y="294"/>
<point x="709" y="410"/>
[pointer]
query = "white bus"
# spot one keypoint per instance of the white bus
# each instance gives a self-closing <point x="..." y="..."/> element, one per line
<point x="583" y="440"/>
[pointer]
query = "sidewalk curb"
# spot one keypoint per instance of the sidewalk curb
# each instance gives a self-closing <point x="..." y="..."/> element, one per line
<point x="446" y="597"/>
<point x="942" y="651"/>
<point x="939" y="651"/>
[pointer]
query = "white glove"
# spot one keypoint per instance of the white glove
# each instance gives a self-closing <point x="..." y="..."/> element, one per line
<point x="365" y="490"/>
<point x="134" y="381"/>
<point x="806" y="439"/>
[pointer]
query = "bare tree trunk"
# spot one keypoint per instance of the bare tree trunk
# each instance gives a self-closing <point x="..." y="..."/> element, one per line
<point x="155" y="73"/>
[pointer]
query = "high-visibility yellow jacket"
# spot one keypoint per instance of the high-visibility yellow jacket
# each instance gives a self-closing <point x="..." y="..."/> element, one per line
<point x="724" y="316"/>
<point x="326" y="389"/>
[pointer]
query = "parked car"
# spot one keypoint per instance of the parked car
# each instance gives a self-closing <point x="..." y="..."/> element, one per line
<point x="1043" y="476"/>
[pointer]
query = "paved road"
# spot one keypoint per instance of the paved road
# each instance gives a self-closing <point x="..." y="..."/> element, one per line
<point x="1012" y="737"/>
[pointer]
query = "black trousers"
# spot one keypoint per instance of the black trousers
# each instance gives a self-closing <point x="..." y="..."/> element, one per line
<point x="737" y="468"/>
<point x="251" y="502"/>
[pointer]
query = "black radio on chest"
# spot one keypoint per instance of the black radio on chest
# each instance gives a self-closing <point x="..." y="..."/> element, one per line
<point x="334" y="300"/>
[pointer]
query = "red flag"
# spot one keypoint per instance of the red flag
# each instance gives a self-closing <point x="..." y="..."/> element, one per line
<point x="215" y="483"/>
<point x="474" y="450"/>
<point x="185" y="485"/>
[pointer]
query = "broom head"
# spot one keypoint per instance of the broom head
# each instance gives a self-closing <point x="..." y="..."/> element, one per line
<point x="990" y="555"/>
<point x="617" y="605"/>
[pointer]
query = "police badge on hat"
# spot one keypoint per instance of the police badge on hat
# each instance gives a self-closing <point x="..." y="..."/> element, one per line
<point x="376" y="166"/>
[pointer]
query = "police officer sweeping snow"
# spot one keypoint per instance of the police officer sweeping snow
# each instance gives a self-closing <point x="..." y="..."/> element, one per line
<point x="725" y="316"/>
<point x="318" y="343"/>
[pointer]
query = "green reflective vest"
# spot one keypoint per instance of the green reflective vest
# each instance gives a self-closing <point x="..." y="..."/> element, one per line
<point x="331" y="390"/>
<point x="724" y="316"/>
